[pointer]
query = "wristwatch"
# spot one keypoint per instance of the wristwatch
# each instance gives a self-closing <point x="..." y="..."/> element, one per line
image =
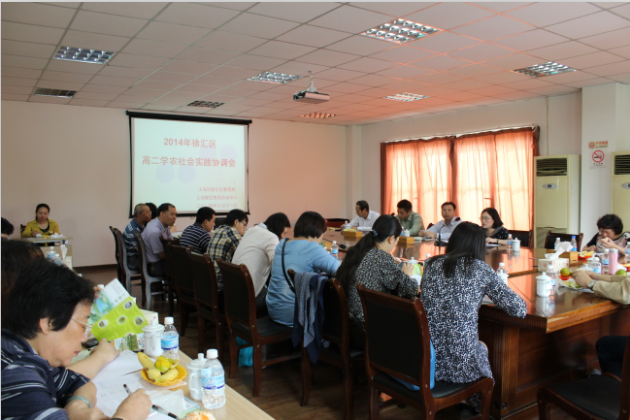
<point x="591" y="284"/>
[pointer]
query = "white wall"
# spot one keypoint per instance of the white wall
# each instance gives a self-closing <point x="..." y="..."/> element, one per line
<point x="76" y="159"/>
<point x="559" y="119"/>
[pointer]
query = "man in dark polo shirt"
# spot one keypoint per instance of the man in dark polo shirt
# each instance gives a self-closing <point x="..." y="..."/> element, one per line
<point x="197" y="235"/>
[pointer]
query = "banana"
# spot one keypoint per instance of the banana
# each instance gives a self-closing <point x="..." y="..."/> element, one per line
<point x="153" y="373"/>
<point x="145" y="361"/>
<point x="168" y="376"/>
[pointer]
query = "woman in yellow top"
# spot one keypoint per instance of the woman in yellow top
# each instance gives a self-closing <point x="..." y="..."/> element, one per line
<point x="42" y="224"/>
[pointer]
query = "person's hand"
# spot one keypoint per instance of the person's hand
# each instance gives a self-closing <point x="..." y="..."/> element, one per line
<point x="34" y="233"/>
<point x="607" y="242"/>
<point x="106" y="351"/>
<point x="581" y="277"/>
<point x="430" y="234"/>
<point x="589" y="248"/>
<point x="408" y="269"/>
<point x="135" y="407"/>
<point x="78" y="410"/>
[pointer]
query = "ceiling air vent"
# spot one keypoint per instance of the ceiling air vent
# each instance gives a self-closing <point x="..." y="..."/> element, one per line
<point x="622" y="164"/>
<point x="59" y="93"/>
<point x="551" y="167"/>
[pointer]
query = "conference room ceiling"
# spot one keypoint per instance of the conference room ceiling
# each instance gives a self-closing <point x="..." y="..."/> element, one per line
<point x="168" y="55"/>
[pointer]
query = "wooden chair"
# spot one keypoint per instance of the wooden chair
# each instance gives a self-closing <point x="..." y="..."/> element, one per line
<point x="147" y="279"/>
<point x="525" y="236"/>
<point x="336" y="329"/>
<point x="22" y="227"/>
<point x="604" y="397"/>
<point x="397" y="344"/>
<point x="208" y="298"/>
<point x="429" y="226"/>
<point x="125" y="275"/>
<point x="550" y="239"/>
<point x="170" y="273"/>
<point x="185" y="282"/>
<point x="335" y="222"/>
<point x="240" y="314"/>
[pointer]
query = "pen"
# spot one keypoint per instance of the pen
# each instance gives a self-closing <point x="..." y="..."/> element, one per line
<point x="163" y="411"/>
<point x="127" y="389"/>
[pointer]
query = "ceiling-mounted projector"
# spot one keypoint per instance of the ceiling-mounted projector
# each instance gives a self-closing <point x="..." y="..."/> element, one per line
<point x="311" y="95"/>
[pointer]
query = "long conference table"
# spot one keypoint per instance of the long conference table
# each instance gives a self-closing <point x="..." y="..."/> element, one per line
<point x="554" y="343"/>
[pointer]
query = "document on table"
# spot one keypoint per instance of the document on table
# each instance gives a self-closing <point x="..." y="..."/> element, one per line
<point x="126" y="362"/>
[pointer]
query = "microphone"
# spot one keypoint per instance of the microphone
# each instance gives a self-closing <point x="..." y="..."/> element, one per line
<point x="439" y="242"/>
<point x="457" y="219"/>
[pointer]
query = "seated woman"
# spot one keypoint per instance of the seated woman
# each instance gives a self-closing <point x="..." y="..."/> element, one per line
<point x="610" y="235"/>
<point x="301" y="254"/>
<point x="42" y="330"/>
<point x="491" y="222"/>
<point x="453" y="286"/>
<point x="257" y="250"/>
<point x="370" y="263"/>
<point x="42" y="225"/>
<point x="226" y="238"/>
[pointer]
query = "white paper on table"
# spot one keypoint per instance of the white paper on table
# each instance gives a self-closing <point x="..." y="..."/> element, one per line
<point x="126" y="362"/>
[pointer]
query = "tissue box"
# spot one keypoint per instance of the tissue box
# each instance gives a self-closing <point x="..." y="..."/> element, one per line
<point x="352" y="234"/>
<point x="572" y="256"/>
<point x="556" y="265"/>
<point x="406" y="241"/>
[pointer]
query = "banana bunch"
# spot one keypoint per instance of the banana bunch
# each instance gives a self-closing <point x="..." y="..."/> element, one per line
<point x="162" y="370"/>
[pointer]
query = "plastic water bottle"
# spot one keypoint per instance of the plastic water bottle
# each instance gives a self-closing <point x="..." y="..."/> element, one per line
<point x="556" y="244"/>
<point x="605" y="262"/>
<point x="170" y="341"/>
<point x="552" y="280"/>
<point x="573" y="244"/>
<point x="627" y="252"/>
<point x="502" y="273"/>
<point x="509" y="242"/>
<point x="334" y="250"/>
<point x="213" y="381"/>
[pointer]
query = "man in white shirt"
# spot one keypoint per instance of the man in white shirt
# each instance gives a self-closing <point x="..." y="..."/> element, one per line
<point x="445" y="227"/>
<point x="365" y="217"/>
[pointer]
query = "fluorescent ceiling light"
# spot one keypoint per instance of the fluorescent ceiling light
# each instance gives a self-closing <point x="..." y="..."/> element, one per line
<point x="321" y="115"/>
<point x="546" y="69"/>
<point x="400" y="31"/>
<point x="84" y="55"/>
<point x="406" y="97"/>
<point x="206" y="104"/>
<point x="275" y="78"/>
<point x="59" y="93"/>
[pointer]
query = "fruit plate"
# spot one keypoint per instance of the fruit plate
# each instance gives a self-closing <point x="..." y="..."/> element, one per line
<point x="181" y="374"/>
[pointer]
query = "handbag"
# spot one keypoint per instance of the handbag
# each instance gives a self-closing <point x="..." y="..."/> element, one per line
<point x="284" y="270"/>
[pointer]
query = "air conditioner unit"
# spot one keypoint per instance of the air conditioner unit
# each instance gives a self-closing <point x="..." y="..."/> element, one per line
<point x="620" y="188"/>
<point x="556" y="195"/>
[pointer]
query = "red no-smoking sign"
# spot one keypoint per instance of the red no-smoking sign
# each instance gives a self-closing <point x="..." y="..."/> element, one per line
<point x="598" y="156"/>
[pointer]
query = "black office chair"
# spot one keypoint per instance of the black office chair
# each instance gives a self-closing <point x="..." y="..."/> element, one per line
<point x="550" y="239"/>
<point x="524" y="236"/>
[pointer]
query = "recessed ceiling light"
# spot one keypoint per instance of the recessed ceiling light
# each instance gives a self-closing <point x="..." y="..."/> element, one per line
<point x="400" y="31"/>
<point x="321" y="115"/>
<point x="206" y="104"/>
<point x="546" y="69"/>
<point x="406" y="97"/>
<point x="84" y="55"/>
<point x="275" y="78"/>
<point x="59" y="93"/>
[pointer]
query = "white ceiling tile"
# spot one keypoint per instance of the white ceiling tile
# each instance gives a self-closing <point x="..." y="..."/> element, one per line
<point x="95" y="95"/>
<point x="461" y="96"/>
<point x="104" y="89"/>
<point x="492" y="90"/>
<point x="171" y="77"/>
<point x="194" y="88"/>
<point x="154" y="48"/>
<point x="594" y="82"/>
<point x="74" y="67"/>
<point x="296" y="67"/>
<point x="313" y="36"/>
<point x="196" y="15"/>
<point x="252" y="86"/>
<point x="65" y="77"/>
<point x="450" y="15"/>
<point x="143" y="10"/>
<point x="529" y="83"/>
<point x="611" y="69"/>
<point x="564" y="50"/>
<point x="231" y="5"/>
<point x="21" y="72"/>
<point x="139" y="61"/>
<point x="469" y="85"/>
<point x="16" y="81"/>
<point x="115" y="71"/>
<point x="513" y="62"/>
<point x="338" y="75"/>
<point x="500" y="7"/>
<point x="444" y="42"/>
<point x="589" y="25"/>
<point x="622" y="10"/>
<point x="281" y="105"/>
<point x="113" y="81"/>
<point x="351" y="19"/>
<point x="607" y="5"/>
<point x="505" y="77"/>
<point x="367" y="65"/>
<point x="107" y="24"/>
<point x="543" y="14"/>
<point x="493" y="28"/>
<point x="361" y="45"/>
<point x="440" y="62"/>
<point x="213" y="83"/>
<point x="591" y="60"/>
<point x="189" y="96"/>
<point x="623" y="78"/>
<point x="49" y="99"/>
<point x="404" y="86"/>
<point x="404" y="72"/>
<point x="173" y="101"/>
<point x="481" y="52"/>
<point x="152" y="107"/>
<point x="355" y="99"/>
<point x="612" y="39"/>
<point x="531" y="40"/>
<point x="402" y="55"/>
<point x="155" y="84"/>
<point x="134" y="91"/>
<point x="372" y="80"/>
<point x="169" y="32"/>
<point x="31" y="33"/>
<point x="69" y="4"/>
<point x="229" y="41"/>
<point x="233" y="73"/>
<point x="207" y="55"/>
<point x="258" y="26"/>
<point x="298" y="11"/>
<point x="473" y="70"/>
<point x="49" y="84"/>
<point x="136" y="98"/>
<point x="22" y="90"/>
<point x="517" y="95"/>
<point x="267" y="96"/>
<point x="189" y="67"/>
<point x="345" y="88"/>
<point x="252" y="102"/>
<point x="233" y="108"/>
<point x="437" y="78"/>
<point x="37" y="14"/>
<point x="396" y="9"/>
<point x="79" y="39"/>
<point x="27" y="48"/>
<point x="124" y="105"/>
<point x="327" y="58"/>
<point x="281" y="50"/>
<point x="256" y="62"/>
<point x="623" y="51"/>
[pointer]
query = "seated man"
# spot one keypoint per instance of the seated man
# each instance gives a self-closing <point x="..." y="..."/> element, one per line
<point x="409" y="219"/>
<point x="141" y="216"/>
<point x="156" y="229"/>
<point x="610" y="349"/>
<point x="445" y="227"/>
<point x="43" y="328"/>
<point x="226" y="238"/>
<point x="365" y="217"/>
<point x="197" y="235"/>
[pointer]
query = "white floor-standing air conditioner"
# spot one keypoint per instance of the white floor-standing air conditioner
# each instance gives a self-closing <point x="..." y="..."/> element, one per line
<point x="556" y="196"/>
<point x="620" y="189"/>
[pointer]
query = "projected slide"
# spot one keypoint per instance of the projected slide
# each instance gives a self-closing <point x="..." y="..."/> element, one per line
<point x="190" y="164"/>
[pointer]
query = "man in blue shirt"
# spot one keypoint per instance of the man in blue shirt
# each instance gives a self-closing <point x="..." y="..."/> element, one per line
<point x="141" y="216"/>
<point x="156" y="229"/>
<point x="197" y="235"/>
<point x="445" y="227"/>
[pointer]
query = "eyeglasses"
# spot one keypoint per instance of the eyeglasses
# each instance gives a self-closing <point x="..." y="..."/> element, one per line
<point x="86" y="327"/>
<point x="485" y="218"/>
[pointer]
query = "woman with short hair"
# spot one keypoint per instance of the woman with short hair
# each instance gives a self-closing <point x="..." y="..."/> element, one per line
<point x="610" y="235"/>
<point x="496" y="233"/>
<point x="42" y="225"/>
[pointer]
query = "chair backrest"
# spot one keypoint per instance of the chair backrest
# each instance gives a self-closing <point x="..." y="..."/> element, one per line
<point x="206" y="286"/>
<point x="238" y="289"/>
<point x="22" y="227"/>
<point x="121" y="252"/>
<point x="142" y="248"/>
<point x="336" y="222"/>
<point x="183" y="270"/>
<point x="625" y="384"/>
<point x="117" y="252"/>
<point x="550" y="239"/>
<point x="169" y="258"/>
<point x="429" y="225"/>
<point x="524" y="236"/>
<point x="397" y="338"/>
